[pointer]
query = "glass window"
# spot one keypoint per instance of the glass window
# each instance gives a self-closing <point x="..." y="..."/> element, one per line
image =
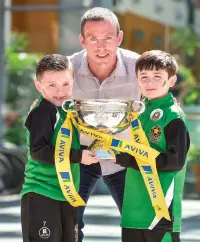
<point x="157" y="41"/>
<point x="139" y="35"/>
<point x="198" y="3"/>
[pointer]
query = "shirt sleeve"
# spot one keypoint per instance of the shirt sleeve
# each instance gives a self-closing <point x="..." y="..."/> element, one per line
<point x="40" y="123"/>
<point x="177" y="142"/>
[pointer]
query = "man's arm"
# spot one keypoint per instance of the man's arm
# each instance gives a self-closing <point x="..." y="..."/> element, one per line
<point x="177" y="141"/>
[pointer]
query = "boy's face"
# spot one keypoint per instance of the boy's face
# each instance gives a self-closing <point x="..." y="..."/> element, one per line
<point x="155" y="83"/>
<point x="55" y="86"/>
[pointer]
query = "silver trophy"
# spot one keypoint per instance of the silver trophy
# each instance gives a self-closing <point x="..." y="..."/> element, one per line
<point x="109" y="116"/>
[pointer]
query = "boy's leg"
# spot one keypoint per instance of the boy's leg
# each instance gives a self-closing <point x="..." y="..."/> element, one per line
<point x="88" y="179"/>
<point x="69" y="223"/>
<point x="132" y="235"/>
<point x="40" y="219"/>
<point x="145" y="235"/>
<point x="116" y="184"/>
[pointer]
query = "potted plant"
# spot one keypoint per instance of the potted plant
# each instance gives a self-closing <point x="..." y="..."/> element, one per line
<point x="194" y="163"/>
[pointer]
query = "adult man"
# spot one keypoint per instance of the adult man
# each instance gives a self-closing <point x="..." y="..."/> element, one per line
<point x="102" y="70"/>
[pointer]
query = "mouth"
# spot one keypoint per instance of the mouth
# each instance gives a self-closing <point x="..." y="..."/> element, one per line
<point x="150" y="90"/>
<point x="59" y="98"/>
<point x="102" y="56"/>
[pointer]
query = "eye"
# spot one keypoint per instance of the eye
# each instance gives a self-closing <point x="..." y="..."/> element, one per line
<point x="52" y="85"/>
<point x="157" y="77"/>
<point x="93" y="39"/>
<point x="66" y="84"/>
<point x="108" y="38"/>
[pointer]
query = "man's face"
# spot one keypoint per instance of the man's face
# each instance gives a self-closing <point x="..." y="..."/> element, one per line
<point x="101" y="41"/>
<point x="55" y="86"/>
<point x="155" y="83"/>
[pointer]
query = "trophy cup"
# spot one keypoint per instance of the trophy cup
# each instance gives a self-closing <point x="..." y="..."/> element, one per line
<point x="109" y="116"/>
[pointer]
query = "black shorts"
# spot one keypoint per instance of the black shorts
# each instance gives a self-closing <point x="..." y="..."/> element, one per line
<point x="45" y="219"/>
<point x="145" y="235"/>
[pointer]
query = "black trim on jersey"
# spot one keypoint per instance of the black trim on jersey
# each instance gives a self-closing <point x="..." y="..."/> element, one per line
<point x="40" y="123"/>
<point x="177" y="141"/>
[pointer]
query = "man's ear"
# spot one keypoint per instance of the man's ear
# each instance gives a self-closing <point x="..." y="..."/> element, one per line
<point x="82" y="40"/>
<point x="173" y="81"/>
<point x="37" y="85"/>
<point x="120" y="37"/>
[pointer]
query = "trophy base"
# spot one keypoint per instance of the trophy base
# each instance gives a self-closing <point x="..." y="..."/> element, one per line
<point x="101" y="151"/>
<point x="104" y="155"/>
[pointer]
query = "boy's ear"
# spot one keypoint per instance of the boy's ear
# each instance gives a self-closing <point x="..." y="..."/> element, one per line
<point x="37" y="85"/>
<point x="173" y="81"/>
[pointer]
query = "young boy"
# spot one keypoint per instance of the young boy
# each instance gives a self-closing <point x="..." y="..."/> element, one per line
<point x="45" y="213"/>
<point x="165" y="126"/>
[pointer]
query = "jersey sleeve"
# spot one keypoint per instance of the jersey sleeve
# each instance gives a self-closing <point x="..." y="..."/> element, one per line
<point x="40" y="123"/>
<point x="177" y="142"/>
<point x="126" y="160"/>
<point x="177" y="146"/>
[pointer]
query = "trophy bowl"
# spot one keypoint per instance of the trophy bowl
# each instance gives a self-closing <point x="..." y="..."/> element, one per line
<point x="105" y="115"/>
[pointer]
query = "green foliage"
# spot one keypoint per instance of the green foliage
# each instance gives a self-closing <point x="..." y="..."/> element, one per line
<point x="194" y="155"/>
<point x="20" y="89"/>
<point x="16" y="134"/>
<point x="187" y="74"/>
<point x="193" y="94"/>
<point x="20" y="69"/>
<point x="192" y="97"/>
<point x="186" y="40"/>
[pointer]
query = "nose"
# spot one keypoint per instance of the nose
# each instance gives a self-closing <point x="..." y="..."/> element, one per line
<point x="101" y="43"/>
<point x="150" y="81"/>
<point x="59" y="90"/>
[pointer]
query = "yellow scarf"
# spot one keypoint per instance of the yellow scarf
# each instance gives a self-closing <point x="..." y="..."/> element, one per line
<point x="62" y="162"/>
<point x="138" y="147"/>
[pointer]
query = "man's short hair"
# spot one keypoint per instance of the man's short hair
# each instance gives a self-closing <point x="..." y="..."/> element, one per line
<point x="52" y="62"/>
<point x="157" y="59"/>
<point x="99" y="14"/>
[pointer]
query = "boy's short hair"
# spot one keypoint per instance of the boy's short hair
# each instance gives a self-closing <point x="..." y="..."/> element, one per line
<point x="157" y="59"/>
<point x="99" y="14"/>
<point x="52" y="62"/>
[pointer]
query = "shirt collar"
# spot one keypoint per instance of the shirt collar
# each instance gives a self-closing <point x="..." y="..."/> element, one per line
<point x="120" y="69"/>
<point x="167" y="100"/>
<point x="83" y="69"/>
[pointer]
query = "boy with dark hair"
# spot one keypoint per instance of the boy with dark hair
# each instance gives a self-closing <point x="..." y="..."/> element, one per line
<point x="165" y="126"/>
<point x="45" y="213"/>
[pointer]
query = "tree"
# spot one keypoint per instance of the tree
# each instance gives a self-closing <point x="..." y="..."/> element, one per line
<point x="20" y="69"/>
<point x="20" y="90"/>
<point x="186" y="42"/>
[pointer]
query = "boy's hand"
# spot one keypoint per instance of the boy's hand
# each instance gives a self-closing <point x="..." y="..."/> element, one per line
<point x="88" y="158"/>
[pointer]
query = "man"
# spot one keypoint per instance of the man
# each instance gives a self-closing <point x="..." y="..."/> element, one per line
<point x="103" y="71"/>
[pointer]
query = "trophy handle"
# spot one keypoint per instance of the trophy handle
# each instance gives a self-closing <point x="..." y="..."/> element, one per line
<point x="142" y="106"/>
<point x="71" y="101"/>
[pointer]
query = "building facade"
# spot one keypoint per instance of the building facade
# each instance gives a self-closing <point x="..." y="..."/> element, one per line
<point x="146" y="24"/>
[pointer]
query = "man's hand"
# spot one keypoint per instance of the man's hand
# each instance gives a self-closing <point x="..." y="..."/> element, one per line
<point x="33" y="104"/>
<point x="113" y="160"/>
<point x="88" y="158"/>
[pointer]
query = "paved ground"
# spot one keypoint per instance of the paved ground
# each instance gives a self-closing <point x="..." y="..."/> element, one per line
<point x="102" y="220"/>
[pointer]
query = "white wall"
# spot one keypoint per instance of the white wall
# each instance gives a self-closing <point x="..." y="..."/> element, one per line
<point x="147" y="8"/>
<point x="8" y="19"/>
<point x="197" y="21"/>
